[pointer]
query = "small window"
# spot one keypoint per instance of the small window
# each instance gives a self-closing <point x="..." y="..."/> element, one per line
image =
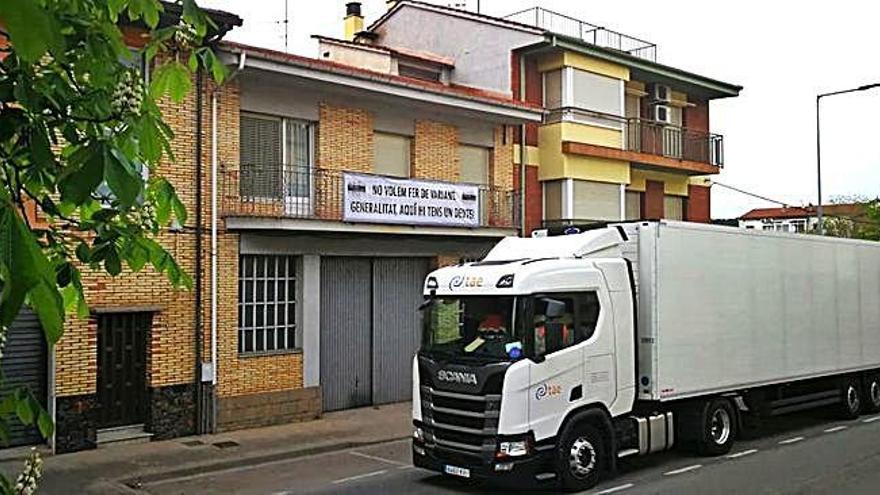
<point x="392" y="154"/>
<point x="418" y="73"/>
<point x="633" y="205"/>
<point x="673" y="208"/>
<point x="473" y="164"/>
<point x="266" y="304"/>
<point x="596" y="201"/>
<point x="571" y="322"/>
<point x="261" y="156"/>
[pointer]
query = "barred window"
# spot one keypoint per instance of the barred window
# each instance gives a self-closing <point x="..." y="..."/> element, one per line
<point x="266" y="304"/>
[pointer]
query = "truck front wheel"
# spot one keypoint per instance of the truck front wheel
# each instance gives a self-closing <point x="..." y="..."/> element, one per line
<point x="581" y="457"/>
<point x="718" y="427"/>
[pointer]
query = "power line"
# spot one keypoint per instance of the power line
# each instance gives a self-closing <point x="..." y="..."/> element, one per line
<point x="747" y="193"/>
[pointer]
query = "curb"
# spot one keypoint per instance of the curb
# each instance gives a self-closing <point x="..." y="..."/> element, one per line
<point x="136" y="482"/>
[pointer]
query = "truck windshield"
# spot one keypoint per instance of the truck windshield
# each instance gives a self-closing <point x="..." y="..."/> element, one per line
<point x="473" y="327"/>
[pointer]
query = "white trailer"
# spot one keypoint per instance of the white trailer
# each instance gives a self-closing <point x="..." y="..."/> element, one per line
<point x="553" y="357"/>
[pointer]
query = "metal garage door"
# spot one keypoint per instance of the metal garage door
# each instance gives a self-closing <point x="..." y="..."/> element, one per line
<point x="397" y="325"/>
<point x="346" y="332"/>
<point x="24" y="364"/>
<point x="370" y="329"/>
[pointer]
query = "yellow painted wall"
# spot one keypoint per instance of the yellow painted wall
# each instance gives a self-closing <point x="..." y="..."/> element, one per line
<point x="700" y="180"/>
<point x="554" y="164"/>
<point x="674" y="184"/>
<point x="590" y="134"/>
<point x="583" y="62"/>
<point x="533" y="155"/>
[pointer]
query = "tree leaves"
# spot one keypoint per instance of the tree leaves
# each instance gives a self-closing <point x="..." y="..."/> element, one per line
<point x="31" y="29"/>
<point x="173" y="79"/>
<point x="123" y="179"/>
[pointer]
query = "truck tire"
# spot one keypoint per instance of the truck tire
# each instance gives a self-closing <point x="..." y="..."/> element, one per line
<point x="580" y="457"/>
<point x="718" y="427"/>
<point x="872" y="393"/>
<point x="851" y="399"/>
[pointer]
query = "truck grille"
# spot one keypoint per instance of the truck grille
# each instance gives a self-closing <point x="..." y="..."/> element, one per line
<point x="463" y="423"/>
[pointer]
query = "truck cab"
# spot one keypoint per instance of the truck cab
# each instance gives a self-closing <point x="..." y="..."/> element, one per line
<point x="514" y="347"/>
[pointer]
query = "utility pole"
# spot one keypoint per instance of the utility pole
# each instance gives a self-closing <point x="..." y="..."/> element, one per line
<point x="286" y="23"/>
<point x="819" y="209"/>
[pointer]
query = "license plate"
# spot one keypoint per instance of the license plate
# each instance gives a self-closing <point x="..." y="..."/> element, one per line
<point x="457" y="471"/>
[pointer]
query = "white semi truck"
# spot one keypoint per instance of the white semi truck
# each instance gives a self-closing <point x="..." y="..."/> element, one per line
<point x="553" y="357"/>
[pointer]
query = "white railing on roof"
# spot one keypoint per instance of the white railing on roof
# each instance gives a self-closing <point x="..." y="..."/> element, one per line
<point x="555" y="22"/>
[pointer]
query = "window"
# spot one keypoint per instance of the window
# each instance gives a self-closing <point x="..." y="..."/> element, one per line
<point x="553" y="89"/>
<point x="392" y="154"/>
<point x="598" y="93"/>
<point x="277" y="157"/>
<point x="553" y="200"/>
<point x="633" y="205"/>
<point x="473" y="164"/>
<point x="596" y="201"/>
<point x="563" y="320"/>
<point x="422" y="73"/>
<point x="673" y="208"/>
<point x="266" y="303"/>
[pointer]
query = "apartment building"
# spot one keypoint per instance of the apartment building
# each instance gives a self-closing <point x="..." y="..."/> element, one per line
<point x="624" y="136"/>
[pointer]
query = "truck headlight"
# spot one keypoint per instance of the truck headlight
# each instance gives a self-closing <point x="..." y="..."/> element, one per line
<point x="418" y="435"/>
<point x="518" y="448"/>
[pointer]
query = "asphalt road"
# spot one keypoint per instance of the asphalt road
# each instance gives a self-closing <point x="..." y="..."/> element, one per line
<point x="808" y="453"/>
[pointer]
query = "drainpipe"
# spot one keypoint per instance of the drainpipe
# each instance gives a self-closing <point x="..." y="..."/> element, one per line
<point x="522" y="150"/>
<point x="214" y="217"/>
<point x="198" y="251"/>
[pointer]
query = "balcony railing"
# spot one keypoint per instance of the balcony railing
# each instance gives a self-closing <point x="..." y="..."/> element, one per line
<point x="284" y="191"/>
<point x="590" y="33"/>
<point x="651" y="137"/>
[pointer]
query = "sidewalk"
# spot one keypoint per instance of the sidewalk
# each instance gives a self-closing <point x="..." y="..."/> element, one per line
<point x="121" y="468"/>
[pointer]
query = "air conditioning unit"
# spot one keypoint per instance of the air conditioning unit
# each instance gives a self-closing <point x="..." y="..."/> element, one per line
<point x="660" y="92"/>
<point x="663" y="114"/>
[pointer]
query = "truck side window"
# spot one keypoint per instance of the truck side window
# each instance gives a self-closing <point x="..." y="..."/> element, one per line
<point x="575" y="324"/>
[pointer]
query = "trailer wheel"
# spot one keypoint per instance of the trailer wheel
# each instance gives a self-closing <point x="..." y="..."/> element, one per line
<point x="872" y="393"/>
<point x="851" y="399"/>
<point x="581" y="457"/>
<point x="718" y="427"/>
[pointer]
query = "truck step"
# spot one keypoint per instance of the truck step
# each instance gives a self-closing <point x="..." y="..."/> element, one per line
<point x="627" y="453"/>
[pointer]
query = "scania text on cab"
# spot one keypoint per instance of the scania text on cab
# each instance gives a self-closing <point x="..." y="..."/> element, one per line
<point x="554" y="357"/>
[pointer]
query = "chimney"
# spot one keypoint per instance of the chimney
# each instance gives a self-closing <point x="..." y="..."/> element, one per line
<point x="354" y="20"/>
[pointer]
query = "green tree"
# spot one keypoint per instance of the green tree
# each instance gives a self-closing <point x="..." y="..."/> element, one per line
<point x="81" y="136"/>
<point x="862" y="222"/>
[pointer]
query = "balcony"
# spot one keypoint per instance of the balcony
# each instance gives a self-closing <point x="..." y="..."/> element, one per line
<point x="306" y="193"/>
<point x="680" y="147"/>
<point x="562" y="24"/>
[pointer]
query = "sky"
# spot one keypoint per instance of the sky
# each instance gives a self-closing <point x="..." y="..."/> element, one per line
<point x="783" y="52"/>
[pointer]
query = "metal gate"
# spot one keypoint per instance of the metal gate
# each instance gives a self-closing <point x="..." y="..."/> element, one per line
<point x="24" y="364"/>
<point x="370" y="329"/>
<point x="397" y="325"/>
<point x="346" y="343"/>
<point x="122" y="356"/>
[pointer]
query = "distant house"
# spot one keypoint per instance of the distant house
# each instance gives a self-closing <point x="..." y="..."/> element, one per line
<point x="797" y="219"/>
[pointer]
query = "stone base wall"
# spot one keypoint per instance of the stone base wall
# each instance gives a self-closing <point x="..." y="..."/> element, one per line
<point x="171" y="411"/>
<point x="76" y="423"/>
<point x="267" y="409"/>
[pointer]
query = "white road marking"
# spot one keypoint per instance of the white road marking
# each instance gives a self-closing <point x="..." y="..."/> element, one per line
<point x="616" y="489"/>
<point x="871" y="420"/>
<point x="360" y="477"/>
<point x="742" y="454"/>
<point x="791" y="441"/>
<point x="377" y="458"/>
<point x="836" y="429"/>
<point x="683" y="470"/>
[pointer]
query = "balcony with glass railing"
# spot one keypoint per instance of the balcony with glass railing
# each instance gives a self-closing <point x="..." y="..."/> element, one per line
<point x="565" y="25"/>
<point x="274" y="190"/>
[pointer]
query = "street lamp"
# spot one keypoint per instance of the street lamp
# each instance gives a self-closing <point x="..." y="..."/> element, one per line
<point x="819" y="146"/>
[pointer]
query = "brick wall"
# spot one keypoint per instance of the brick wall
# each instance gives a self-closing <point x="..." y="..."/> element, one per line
<point x="503" y="199"/>
<point x="435" y="151"/>
<point x="699" y="204"/>
<point x="345" y="142"/>
<point x="534" y="198"/>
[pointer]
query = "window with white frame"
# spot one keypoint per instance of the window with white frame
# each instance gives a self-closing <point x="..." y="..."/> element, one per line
<point x="596" y="92"/>
<point x="267" y="303"/>
<point x="277" y="157"/>
<point x="595" y="200"/>
<point x="391" y="154"/>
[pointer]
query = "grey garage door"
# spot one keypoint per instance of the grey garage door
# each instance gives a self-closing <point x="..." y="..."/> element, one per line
<point x="24" y="364"/>
<point x="370" y="329"/>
